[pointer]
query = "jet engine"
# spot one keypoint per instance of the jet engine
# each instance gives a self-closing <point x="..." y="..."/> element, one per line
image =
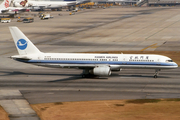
<point x="102" y="71"/>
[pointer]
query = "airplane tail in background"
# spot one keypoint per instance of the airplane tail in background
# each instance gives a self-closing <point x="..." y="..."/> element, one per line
<point x="5" y="4"/>
<point x="23" y="44"/>
<point x="69" y="0"/>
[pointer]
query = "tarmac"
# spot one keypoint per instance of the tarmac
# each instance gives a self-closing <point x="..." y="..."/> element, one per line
<point x="65" y="85"/>
<point x="110" y="29"/>
<point x="17" y="107"/>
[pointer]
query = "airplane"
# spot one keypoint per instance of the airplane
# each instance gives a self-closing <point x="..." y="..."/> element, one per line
<point x="92" y="64"/>
<point x="40" y="5"/>
<point x="5" y="9"/>
<point x="4" y="6"/>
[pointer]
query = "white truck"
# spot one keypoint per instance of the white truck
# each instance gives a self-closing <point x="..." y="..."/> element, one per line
<point x="45" y="16"/>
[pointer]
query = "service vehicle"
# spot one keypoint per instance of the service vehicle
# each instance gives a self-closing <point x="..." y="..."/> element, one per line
<point x="28" y="20"/>
<point x="5" y="20"/>
<point x="44" y="16"/>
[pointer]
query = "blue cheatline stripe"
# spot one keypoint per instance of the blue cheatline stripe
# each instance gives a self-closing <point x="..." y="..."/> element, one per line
<point x="99" y="62"/>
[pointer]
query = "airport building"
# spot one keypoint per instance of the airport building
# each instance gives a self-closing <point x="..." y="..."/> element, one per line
<point x="163" y="2"/>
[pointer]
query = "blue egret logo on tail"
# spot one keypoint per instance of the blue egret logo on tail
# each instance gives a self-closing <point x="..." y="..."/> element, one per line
<point x="22" y="44"/>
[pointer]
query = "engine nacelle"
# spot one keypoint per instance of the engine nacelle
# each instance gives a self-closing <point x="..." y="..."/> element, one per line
<point x="102" y="71"/>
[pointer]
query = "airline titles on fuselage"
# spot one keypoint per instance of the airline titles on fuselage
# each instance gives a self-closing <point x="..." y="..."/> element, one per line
<point x="106" y="57"/>
<point x="139" y="57"/>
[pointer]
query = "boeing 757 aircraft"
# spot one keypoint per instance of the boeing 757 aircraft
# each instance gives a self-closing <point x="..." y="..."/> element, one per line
<point x="92" y="64"/>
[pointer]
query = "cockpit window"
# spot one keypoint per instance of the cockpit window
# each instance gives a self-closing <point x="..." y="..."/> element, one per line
<point x="169" y="60"/>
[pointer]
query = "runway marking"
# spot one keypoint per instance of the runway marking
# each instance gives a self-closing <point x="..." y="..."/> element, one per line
<point x="151" y="46"/>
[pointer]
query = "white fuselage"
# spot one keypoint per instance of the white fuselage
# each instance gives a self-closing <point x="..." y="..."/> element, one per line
<point x="114" y="61"/>
<point x="48" y="4"/>
<point x="44" y="4"/>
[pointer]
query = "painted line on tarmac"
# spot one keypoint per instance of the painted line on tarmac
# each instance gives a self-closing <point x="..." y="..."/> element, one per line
<point x="151" y="46"/>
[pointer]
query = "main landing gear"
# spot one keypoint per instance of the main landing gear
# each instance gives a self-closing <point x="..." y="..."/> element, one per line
<point x="86" y="74"/>
<point x="156" y="73"/>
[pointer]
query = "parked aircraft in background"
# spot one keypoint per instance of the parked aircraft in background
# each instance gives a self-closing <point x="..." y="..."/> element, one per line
<point x="36" y="5"/>
<point x="5" y="9"/>
<point x="92" y="64"/>
<point x="4" y="6"/>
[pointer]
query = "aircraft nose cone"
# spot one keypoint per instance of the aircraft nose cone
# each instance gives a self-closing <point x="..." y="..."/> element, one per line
<point x="175" y="65"/>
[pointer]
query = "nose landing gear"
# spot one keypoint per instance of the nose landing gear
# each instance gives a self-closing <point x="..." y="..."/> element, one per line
<point x="156" y="73"/>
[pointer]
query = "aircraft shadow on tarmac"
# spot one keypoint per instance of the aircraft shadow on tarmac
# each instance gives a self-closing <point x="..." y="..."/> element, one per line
<point x="78" y="76"/>
<point x="8" y="73"/>
<point x="136" y="75"/>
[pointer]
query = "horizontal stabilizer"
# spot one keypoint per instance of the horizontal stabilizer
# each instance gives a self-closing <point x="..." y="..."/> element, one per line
<point x="21" y="57"/>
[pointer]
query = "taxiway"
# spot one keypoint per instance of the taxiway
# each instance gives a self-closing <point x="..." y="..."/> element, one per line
<point x="112" y="29"/>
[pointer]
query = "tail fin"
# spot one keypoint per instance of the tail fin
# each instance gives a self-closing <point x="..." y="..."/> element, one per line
<point x="5" y="4"/>
<point x="23" y="44"/>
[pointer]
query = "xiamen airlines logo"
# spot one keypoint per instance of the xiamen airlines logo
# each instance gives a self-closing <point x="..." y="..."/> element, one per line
<point x="22" y="44"/>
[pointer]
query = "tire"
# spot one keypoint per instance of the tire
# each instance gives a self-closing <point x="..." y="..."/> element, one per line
<point x="155" y="76"/>
<point x="83" y="76"/>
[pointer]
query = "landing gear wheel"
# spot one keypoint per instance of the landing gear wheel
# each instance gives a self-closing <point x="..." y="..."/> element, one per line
<point x="83" y="76"/>
<point x="156" y="72"/>
<point x="85" y="73"/>
<point x="155" y="76"/>
<point x="89" y="76"/>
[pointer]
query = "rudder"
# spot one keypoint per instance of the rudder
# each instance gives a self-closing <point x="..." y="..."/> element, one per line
<point x="5" y="4"/>
<point x="23" y="44"/>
